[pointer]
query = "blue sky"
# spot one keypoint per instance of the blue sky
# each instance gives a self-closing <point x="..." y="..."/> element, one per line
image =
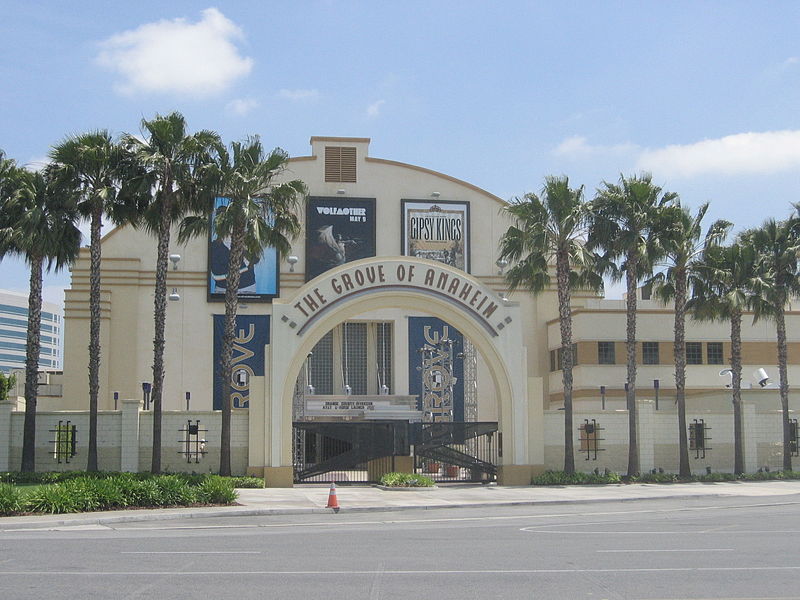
<point x="705" y="95"/>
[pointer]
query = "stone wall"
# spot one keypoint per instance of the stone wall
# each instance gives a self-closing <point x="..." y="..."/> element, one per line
<point x="658" y="439"/>
<point x="124" y="440"/>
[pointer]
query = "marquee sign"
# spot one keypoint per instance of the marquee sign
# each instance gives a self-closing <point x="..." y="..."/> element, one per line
<point x="423" y="276"/>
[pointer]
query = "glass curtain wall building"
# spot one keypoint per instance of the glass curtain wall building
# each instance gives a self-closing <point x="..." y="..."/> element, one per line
<point x="14" y="332"/>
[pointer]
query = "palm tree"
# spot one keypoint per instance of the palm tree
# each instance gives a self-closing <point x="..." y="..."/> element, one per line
<point x="547" y="230"/>
<point x="725" y="285"/>
<point x="260" y="212"/>
<point x="90" y="166"/>
<point x="778" y="246"/>
<point x="623" y="226"/>
<point x="40" y="225"/>
<point x="683" y="247"/>
<point x="168" y="164"/>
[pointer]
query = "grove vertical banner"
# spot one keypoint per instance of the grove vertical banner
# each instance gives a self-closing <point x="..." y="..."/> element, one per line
<point x="338" y="231"/>
<point x="436" y="369"/>
<point x="436" y="231"/>
<point x="250" y="338"/>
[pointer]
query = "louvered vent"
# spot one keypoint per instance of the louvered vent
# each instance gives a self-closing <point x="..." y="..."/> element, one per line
<point x="340" y="164"/>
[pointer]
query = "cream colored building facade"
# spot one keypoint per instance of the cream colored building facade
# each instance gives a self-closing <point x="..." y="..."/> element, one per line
<point x="515" y="381"/>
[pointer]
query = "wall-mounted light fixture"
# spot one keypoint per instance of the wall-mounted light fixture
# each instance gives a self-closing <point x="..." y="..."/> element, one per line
<point x="292" y="260"/>
<point x="341" y="191"/>
<point x="174" y="296"/>
<point x="435" y="194"/>
<point x="175" y="258"/>
<point x="501" y="263"/>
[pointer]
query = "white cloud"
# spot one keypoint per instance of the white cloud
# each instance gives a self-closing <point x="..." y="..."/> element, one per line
<point x="37" y="163"/>
<point x="299" y="95"/>
<point x="177" y="56"/>
<point x="374" y="109"/>
<point x="578" y="146"/>
<point x="241" y="106"/>
<point x="766" y="152"/>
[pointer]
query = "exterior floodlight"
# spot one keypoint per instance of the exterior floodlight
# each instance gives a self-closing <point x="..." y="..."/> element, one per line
<point x="341" y="191"/>
<point x="175" y="258"/>
<point x="347" y="390"/>
<point x="292" y="260"/>
<point x="760" y="375"/>
<point x="435" y="194"/>
<point x="729" y="373"/>
<point x="174" y="296"/>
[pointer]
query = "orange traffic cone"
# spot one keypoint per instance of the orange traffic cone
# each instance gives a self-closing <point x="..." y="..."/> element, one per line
<point x="333" y="502"/>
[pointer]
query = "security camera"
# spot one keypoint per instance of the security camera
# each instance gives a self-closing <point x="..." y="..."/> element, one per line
<point x="760" y="375"/>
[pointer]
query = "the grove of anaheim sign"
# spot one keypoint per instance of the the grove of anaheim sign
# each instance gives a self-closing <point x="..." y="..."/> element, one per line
<point x="398" y="275"/>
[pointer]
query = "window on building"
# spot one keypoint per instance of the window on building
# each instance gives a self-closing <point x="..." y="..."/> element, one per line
<point x="341" y="358"/>
<point x="694" y="353"/>
<point x="605" y="353"/>
<point x="340" y="164"/>
<point x="650" y="353"/>
<point x="714" y="353"/>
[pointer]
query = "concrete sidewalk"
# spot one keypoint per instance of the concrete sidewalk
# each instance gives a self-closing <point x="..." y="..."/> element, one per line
<point x="312" y="499"/>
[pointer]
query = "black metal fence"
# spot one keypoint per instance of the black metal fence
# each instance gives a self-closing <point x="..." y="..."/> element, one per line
<point x="360" y="452"/>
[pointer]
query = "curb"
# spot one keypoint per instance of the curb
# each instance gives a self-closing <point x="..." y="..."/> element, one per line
<point x="190" y="513"/>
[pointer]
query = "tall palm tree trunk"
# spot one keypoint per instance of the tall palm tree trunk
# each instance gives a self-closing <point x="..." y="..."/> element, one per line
<point x="567" y="359"/>
<point x="32" y="365"/>
<point x="94" y="332"/>
<point x="630" y="349"/>
<point x="780" y="322"/>
<point x="736" y="384"/>
<point x="160" y="319"/>
<point x="680" y="372"/>
<point x="228" y="335"/>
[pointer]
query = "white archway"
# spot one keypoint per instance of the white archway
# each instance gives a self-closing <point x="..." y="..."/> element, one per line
<point x="492" y="325"/>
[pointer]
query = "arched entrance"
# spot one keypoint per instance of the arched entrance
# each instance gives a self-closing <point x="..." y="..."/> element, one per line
<point x="492" y="324"/>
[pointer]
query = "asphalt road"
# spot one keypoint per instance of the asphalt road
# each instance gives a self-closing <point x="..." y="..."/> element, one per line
<point x="702" y="548"/>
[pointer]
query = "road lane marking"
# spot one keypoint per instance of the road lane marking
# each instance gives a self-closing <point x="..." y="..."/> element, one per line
<point x="405" y="572"/>
<point x="637" y="551"/>
<point x="194" y="552"/>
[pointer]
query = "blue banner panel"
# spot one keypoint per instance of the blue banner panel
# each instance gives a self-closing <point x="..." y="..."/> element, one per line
<point x="432" y="365"/>
<point x="251" y="336"/>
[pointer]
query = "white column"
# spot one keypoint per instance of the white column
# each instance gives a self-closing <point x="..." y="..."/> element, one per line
<point x="750" y="433"/>
<point x="5" y="435"/>
<point x="129" y="452"/>
<point x="646" y="433"/>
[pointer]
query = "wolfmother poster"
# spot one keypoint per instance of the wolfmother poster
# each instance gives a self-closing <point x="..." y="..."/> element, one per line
<point x="338" y="231"/>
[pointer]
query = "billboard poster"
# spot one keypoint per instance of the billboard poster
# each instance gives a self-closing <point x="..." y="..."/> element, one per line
<point x="436" y="369"/>
<point x="436" y="231"/>
<point x="258" y="279"/>
<point x="338" y="231"/>
<point x="250" y="338"/>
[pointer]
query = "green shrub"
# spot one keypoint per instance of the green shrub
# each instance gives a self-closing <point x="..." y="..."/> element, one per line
<point x="406" y="480"/>
<point x="562" y="478"/>
<point x="175" y="490"/>
<point x="247" y="482"/>
<point x="9" y="499"/>
<point x="54" y="498"/>
<point x="656" y="478"/>
<point x="216" y="490"/>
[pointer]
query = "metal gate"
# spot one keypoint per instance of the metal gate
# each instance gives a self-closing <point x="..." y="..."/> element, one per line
<point x="457" y="451"/>
<point x="359" y="452"/>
